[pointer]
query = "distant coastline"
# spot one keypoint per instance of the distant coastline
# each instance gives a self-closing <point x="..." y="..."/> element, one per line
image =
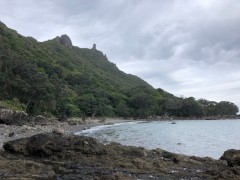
<point x="169" y="118"/>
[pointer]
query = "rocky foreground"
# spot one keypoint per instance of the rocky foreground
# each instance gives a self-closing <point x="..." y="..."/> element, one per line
<point x="58" y="156"/>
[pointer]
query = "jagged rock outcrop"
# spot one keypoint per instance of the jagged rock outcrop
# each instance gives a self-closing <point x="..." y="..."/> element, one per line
<point x="11" y="117"/>
<point x="65" y="41"/>
<point x="86" y="158"/>
<point x="94" y="47"/>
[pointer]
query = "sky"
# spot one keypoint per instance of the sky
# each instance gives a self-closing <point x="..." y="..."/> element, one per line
<point x="186" y="47"/>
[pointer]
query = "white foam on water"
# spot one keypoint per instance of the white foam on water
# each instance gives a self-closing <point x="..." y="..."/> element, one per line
<point x="101" y="127"/>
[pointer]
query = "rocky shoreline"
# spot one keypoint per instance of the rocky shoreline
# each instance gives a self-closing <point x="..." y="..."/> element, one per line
<point x="12" y="132"/>
<point x="59" y="156"/>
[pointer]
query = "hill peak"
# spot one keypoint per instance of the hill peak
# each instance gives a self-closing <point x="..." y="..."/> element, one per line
<point x="65" y="41"/>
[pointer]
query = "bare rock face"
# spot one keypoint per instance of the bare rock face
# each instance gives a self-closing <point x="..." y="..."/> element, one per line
<point x="66" y="41"/>
<point x="11" y="117"/>
<point x="94" y="47"/>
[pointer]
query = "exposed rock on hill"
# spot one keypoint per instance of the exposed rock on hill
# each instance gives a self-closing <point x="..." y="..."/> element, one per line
<point x="66" y="41"/>
<point x="94" y="47"/>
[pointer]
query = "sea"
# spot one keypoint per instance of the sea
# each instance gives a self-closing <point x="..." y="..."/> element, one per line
<point x="190" y="137"/>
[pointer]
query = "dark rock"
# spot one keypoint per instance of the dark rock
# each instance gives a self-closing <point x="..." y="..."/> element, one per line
<point x="11" y="134"/>
<point x="24" y="169"/>
<point x="79" y="157"/>
<point x="94" y="47"/>
<point x="11" y="117"/>
<point x="232" y="157"/>
<point x="66" y="41"/>
<point x="45" y="145"/>
<point x="62" y="118"/>
<point x="19" y="148"/>
<point x="171" y="156"/>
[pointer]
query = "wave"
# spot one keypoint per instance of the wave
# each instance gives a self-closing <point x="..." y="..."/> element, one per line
<point x="101" y="127"/>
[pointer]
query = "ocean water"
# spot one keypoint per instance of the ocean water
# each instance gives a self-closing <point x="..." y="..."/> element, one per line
<point x="190" y="137"/>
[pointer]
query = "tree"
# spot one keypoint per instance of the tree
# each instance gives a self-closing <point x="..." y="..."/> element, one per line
<point x="143" y="104"/>
<point x="226" y="108"/>
<point x="209" y="107"/>
<point x="191" y="108"/>
<point x="172" y="106"/>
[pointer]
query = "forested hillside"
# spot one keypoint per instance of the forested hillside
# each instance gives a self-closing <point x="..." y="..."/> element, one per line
<point x="56" y="78"/>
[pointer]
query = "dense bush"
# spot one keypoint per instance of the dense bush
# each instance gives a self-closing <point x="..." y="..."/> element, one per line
<point x="50" y="78"/>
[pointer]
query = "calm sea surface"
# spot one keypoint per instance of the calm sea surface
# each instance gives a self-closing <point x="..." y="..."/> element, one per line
<point x="200" y="138"/>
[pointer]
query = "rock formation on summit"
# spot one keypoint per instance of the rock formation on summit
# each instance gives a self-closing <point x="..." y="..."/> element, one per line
<point x="66" y="41"/>
<point x="94" y="47"/>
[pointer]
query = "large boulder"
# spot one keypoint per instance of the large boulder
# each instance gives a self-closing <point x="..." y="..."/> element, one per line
<point x="54" y="145"/>
<point x="232" y="157"/>
<point x="11" y="117"/>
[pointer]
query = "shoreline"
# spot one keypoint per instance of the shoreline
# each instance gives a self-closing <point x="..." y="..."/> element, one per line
<point x="58" y="156"/>
<point x="72" y="126"/>
<point x="13" y="132"/>
<point x="33" y="151"/>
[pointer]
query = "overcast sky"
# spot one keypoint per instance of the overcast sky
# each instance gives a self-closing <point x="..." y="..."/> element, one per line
<point x="186" y="47"/>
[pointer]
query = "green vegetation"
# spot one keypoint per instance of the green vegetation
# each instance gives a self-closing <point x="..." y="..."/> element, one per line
<point x="50" y="78"/>
<point x="13" y="104"/>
